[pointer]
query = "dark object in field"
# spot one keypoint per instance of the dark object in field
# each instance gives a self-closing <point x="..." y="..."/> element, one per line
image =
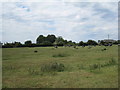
<point x="103" y="49"/>
<point x="75" y="47"/>
<point x="56" y="46"/>
<point x="35" y="51"/>
<point x="110" y="44"/>
<point x="106" y="44"/>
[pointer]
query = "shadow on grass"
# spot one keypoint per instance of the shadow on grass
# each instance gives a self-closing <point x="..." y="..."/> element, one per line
<point x="60" y="55"/>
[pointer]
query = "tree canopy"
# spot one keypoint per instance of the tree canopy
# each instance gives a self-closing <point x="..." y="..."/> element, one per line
<point x="51" y="40"/>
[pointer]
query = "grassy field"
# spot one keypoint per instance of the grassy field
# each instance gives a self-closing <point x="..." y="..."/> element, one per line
<point x="83" y="67"/>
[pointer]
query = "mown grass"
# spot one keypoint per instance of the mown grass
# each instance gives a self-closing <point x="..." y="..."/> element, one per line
<point x="72" y="68"/>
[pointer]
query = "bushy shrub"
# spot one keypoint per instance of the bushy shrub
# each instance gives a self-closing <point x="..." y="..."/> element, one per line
<point x="95" y="66"/>
<point x="53" y="66"/>
<point x="112" y="61"/>
<point x="103" y="49"/>
<point x="98" y="66"/>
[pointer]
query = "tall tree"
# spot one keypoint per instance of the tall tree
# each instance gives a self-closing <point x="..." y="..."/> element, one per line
<point x="17" y="44"/>
<point x="46" y="43"/>
<point x="81" y="43"/>
<point x="59" y="41"/>
<point x="70" y="43"/>
<point x="50" y="38"/>
<point x="92" y="42"/>
<point x="28" y="43"/>
<point x="40" y="39"/>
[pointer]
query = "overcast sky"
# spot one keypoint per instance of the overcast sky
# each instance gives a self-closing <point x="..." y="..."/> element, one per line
<point x="76" y="21"/>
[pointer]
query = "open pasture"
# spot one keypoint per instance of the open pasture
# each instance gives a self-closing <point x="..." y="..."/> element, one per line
<point x="83" y="67"/>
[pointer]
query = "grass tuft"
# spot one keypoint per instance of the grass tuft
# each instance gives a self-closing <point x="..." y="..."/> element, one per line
<point x="32" y="71"/>
<point x="98" y="66"/>
<point x="53" y="66"/>
<point x="95" y="66"/>
<point x="81" y="67"/>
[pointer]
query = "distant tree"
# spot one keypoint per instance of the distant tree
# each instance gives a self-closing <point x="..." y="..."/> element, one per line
<point x="81" y="43"/>
<point x="59" y="41"/>
<point x="17" y="44"/>
<point x="102" y="42"/>
<point x="118" y="41"/>
<point x="70" y="43"/>
<point x="74" y="43"/>
<point x="65" y="42"/>
<point x="40" y="39"/>
<point x="46" y="43"/>
<point x="50" y="38"/>
<point x="92" y="42"/>
<point x="7" y="45"/>
<point x="99" y="41"/>
<point x="28" y="43"/>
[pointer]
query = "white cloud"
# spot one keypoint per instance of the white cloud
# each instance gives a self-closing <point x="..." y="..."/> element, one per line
<point x="73" y="21"/>
<point x="59" y="0"/>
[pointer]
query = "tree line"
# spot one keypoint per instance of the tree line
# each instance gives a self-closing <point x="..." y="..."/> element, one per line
<point x="52" y="40"/>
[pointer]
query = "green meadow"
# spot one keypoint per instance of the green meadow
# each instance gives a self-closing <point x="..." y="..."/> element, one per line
<point x="95" y="67"/>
